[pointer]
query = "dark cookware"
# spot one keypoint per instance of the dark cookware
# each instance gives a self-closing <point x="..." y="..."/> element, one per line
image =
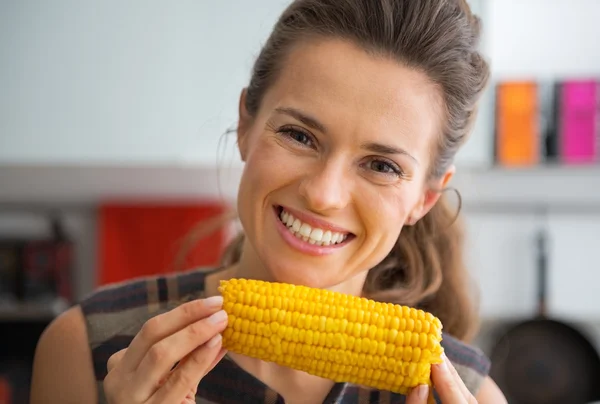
<point x="544" y="360"/>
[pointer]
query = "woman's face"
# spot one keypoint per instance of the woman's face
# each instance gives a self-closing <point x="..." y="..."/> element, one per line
<point x="336" y="159"/>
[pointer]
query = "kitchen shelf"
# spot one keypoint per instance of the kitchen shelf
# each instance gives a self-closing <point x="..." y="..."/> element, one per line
<point x="68" y="185"/>
<point x="574" y="188"/>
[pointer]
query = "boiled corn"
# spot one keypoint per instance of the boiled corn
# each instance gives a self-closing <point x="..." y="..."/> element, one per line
<point x="336" y="336"/>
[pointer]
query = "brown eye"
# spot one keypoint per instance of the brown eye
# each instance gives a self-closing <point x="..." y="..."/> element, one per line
<point x="297" y="136"/>
<point x="385" y="167"/>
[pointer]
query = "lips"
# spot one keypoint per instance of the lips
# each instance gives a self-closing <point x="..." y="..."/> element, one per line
<point x="312" y="233"/>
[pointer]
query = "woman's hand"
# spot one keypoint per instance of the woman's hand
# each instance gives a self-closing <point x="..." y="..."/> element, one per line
<point x="448" y="385"/>
<point x="188" y="336"/>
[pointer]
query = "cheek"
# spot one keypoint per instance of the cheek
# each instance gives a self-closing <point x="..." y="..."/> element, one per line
<point x="266" y="164"/>
<point x="266" y="170"/>
<point x="385" y="212"/>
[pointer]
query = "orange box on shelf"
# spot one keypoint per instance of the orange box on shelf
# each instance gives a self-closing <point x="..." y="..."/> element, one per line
<point x="517" y="124"/>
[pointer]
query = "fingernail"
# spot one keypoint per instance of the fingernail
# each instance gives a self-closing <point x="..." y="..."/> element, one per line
<point x="422" y="391"/>
<point x="214" y="301"/>
<point x="218" y="317"/>
<point x="214" y="341"/>
<point x="444" y="364"/>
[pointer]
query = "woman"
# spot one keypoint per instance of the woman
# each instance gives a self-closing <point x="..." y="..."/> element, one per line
<point x="349" y="126"/>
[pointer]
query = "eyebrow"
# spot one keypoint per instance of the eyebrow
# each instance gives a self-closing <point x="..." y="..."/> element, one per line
<point x="302" y="117"/>
<point x="386" y="149"/>
<point x="315" y="124"/>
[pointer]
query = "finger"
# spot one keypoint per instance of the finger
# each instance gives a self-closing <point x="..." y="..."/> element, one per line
<point x="418" y="395"/>
<point x="163" y="355"/>
<point x="218" y="359"/>
<point x="457" y="378"/>
<point x="115" y="359"/>
<point x="447" y="384"/>
<point x="163" y="325"/>
<point x="188" y="374"/>
<point x="192" y="393"/>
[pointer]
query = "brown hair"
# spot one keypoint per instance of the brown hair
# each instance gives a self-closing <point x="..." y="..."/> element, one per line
<point x="438" y="37"/>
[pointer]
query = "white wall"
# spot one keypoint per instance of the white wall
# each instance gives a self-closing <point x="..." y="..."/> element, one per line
<point x="543" y="39"/>
<point x="130" y="81"/>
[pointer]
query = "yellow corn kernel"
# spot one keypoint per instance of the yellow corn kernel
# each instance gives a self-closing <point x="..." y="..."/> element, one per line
<point x="332" y="335"/>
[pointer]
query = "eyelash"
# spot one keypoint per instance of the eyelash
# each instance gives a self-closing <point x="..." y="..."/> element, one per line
<point x="289" y="133"/>
<point x="396" y="171"/>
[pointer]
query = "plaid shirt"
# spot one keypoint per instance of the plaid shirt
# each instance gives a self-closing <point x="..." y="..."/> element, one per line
<point x="115" y="314"/>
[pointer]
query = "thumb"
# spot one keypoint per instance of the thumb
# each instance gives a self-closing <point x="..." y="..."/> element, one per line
<point x="418" y="395"/>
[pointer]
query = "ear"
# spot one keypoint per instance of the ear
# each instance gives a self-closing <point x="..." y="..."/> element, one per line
<point x="431" y="196"/>
<point x="244" y="123"/>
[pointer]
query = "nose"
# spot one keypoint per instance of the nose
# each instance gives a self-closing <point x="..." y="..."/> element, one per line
<point x="327" y="187"/>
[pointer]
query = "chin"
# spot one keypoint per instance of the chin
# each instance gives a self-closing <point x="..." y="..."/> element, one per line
<point x="299" y="275"/>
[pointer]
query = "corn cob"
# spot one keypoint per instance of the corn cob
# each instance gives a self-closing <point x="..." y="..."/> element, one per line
<point x="336" y="336"/>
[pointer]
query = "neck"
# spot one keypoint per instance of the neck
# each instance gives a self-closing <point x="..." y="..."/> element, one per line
<point x="293" y="385"/>
<point x="250" y="265"/>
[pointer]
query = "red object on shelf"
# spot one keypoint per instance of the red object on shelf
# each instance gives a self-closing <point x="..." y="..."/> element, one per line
<point x="5" y="391"/>
<point x="143" y="239"/>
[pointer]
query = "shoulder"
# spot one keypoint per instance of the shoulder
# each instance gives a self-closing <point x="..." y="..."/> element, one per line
<point x="63" y="345"/>
<point x="124" y="307"/>
<point x="114" y="314"/>
<point x="145" y="291"/>
<point x="80" y="341"/>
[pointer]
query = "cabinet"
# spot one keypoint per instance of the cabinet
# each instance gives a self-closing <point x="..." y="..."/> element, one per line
<point x="574" y="266"/>
<point x="500" y="254"/>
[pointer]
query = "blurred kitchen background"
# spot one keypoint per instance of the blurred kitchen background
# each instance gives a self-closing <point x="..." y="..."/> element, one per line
<point x="113" y="144"/>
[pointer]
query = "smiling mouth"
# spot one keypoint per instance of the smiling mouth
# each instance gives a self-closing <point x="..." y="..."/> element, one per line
<point x="311" y="234"/>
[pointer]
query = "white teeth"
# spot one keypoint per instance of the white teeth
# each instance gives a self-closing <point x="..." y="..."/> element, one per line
<point x="316" y="234"/>
<point x="305" y="232"/>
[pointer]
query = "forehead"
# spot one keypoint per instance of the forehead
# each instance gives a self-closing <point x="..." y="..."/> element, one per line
<point x="336" y="79"/>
